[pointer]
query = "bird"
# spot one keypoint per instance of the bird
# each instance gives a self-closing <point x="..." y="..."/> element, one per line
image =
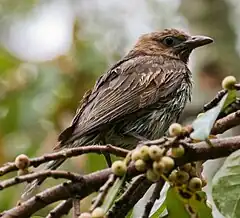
<point x="138" y="97"/>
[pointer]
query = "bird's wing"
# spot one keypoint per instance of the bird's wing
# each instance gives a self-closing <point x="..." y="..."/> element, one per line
<point x="134" y="84"/>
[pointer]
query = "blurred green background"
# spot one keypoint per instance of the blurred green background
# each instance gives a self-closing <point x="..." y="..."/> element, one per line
<point x="52" y="51"/>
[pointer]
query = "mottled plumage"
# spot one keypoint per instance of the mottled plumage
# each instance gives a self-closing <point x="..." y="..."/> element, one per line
<point x="137" y="98"/>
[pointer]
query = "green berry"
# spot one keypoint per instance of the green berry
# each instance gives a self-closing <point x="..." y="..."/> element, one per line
<point x="209" y="204"/>
<point x="119" y="168"/>
<point x="204" y="182"/>
<point x="229" y="82"/>
<point x="152" y="176"/>
<point x="158" y="167"/>
<point x="22" y="161"/>
<point x="168" y="163"/>
<point x="98" y="213"/>
<point x="195" y="184"/>
<point x="144" y="152"/>
<point x="199" y="115"/>
<point x="186" y="167"/>
<point x="85" y="215"/>
<point x="193" y="172"/>
<point x="22" y="172"/>
<point x="155" y="152"/>
<point x="177" y="151"/>
<point x="173" y="176"/>
<point x="140" y="165"/>
<point x="136" y="155"/>
<point x="175" y="129"/>
<point x="182" y="177"/>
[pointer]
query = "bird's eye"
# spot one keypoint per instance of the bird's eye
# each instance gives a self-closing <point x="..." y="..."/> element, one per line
<point x="168" y="41"/>
<point x="171" y="41"/>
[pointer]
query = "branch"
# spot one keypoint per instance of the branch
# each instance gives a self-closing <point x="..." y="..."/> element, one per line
<point x="103" y="192"/>
<point x="223" y="124"/>
<point x="67" y="153"/>
<point x="226" y="123"/>
<point x="130" y="197"/>
<point x="76" y="207"/>
<point x="40" y="175"/>
<point x="92" y="182"/>
<point x="154" y="197"/>
<point x="62" y="209"/>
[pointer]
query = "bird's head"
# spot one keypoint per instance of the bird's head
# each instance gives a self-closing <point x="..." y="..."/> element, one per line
<point x="170" y="42"/>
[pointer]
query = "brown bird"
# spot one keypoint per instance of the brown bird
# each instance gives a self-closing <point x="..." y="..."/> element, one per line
<point x="138" y="97"/>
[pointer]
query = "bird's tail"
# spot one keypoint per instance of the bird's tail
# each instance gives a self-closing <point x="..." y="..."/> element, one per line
<point x="32" y="188"/>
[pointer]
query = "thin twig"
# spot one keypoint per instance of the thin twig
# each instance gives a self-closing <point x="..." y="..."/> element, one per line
<point x="215" y="100"/>
<point x="226" y="123"/>
<point x="155" y="142"/>
<point x="103" y="192"/>
<point x="62" y="209"/>
<point x="67" y="153"/>
<point x="237" y="87"/>
<point x="56" y="174"/>
<point x="130" y="197"/>
<point x="76" y="207"/>
<point x="154" y="197"/>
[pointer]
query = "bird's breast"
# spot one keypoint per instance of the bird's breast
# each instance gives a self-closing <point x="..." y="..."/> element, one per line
<point x="155" y="120"/>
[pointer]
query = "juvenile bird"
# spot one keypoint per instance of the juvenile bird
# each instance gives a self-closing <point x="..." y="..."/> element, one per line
<point x="138" y="97"/>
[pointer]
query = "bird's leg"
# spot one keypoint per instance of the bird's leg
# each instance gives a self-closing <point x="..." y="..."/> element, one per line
<point x="107" y="158"/>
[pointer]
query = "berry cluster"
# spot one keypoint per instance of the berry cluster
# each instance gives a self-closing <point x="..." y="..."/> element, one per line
<point x="186" y="176"/>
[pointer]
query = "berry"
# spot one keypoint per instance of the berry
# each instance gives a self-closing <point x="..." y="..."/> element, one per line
<point x="195" y="184"/>
<point x="193" y="172"/>
<point x="85" y="215"/>
<point x="199" y="115"/>
<point x="186" y="167"/>
<point x="119" y="168"/>
<point x="229" y="82"/>
<point x="155" y="152"/>
<point x="136" y="155"/>
<point x="182" y="177"/>
<point x="152" y="176"/>
<point x="22" y="172"/>
<point x="140" y="165"/>
<point x="175" y="129"/>
<point x="158" y="167"/>
<point x="173" y="176"/>
<point x="144" y="152"/>
<point x="22" y="161"/>
<point x="177" y="151"/>
<point x="98" y="213"/>
<point x="168" y="163"/>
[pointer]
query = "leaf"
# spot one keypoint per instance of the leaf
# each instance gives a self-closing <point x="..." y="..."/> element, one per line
<point x="231" y="97"/>
<point x="160" y="211"/>
<point x="175" y="205"/>
<point x="139" y="208"/>
<point x="112" y="194"/>
<point x="130" y="214"/>
<point x="203" y="125"/>
<point x="226" y="187"/>
<point x="199" y="205"/>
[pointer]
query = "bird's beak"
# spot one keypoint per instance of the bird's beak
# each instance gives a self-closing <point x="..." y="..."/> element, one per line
<point x="197" y="41"/>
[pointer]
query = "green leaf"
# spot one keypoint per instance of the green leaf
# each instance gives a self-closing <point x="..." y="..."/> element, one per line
<point x="203" y="125"/>
<point x="175" y="204"/>
<point x="231" y="97"/>
<point x="112" y="194"/>
<point x="158" y="213"/>
<point x="226" y="187"/>
<point x="130" y="214"/>
<point x="199" y="205"/>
